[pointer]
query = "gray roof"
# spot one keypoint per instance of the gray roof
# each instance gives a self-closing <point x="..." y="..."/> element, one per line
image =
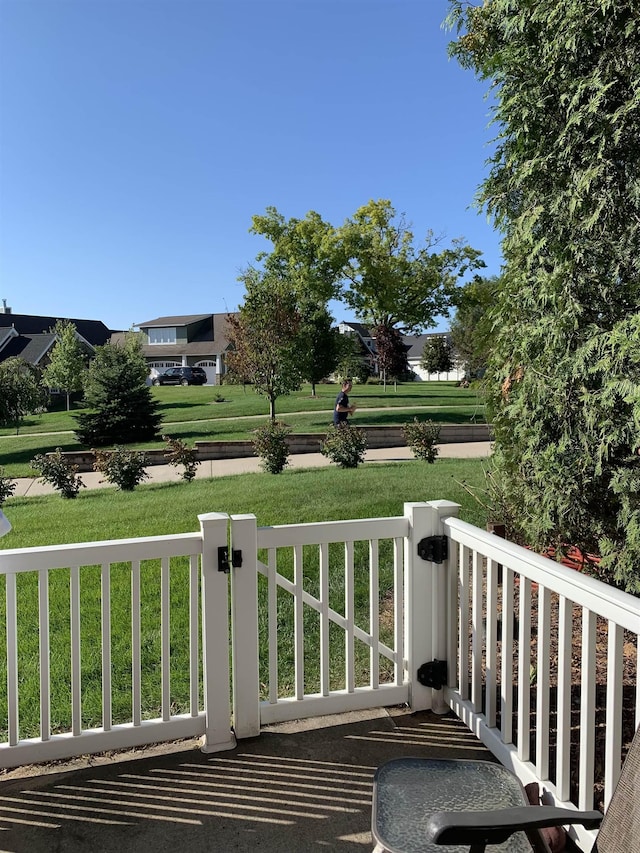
<point x="415" y="343"/>
<point x="31" y="348"/>
<point x="93" y="331"/>
<point x="178" y="320"/>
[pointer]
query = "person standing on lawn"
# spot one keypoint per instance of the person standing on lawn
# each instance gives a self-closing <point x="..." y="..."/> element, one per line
<point x="342" y="408"/>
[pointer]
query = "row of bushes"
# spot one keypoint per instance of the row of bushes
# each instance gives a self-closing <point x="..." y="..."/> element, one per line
<point x="344" y="445"/>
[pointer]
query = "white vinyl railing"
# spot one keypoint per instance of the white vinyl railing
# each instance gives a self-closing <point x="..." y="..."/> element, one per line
<point x="324" y="618"/>
<point x="537" y="653"/>
<point x="111" y="628"/>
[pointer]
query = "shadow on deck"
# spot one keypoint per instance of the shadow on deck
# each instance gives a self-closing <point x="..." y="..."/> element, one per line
<point x="299" y="786"/>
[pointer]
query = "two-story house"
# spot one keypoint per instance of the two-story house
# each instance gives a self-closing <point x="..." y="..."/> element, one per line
<point x="193" y="340"/>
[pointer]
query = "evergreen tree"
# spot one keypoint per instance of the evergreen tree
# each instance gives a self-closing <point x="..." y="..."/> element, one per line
<point x="124" y="410"/>
<point x="67" y="363"/>
<point x="564" y="188"/>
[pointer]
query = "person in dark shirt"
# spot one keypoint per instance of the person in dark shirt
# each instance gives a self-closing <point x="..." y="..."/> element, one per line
<point x="342" y="408"/>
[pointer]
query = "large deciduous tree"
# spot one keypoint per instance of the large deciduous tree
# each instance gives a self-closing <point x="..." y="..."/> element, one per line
<point x="564" y="188"/>
<point x="387" y="280"/>
<point x="21" y="391"/>
<point x="304" y="252"/>
<point x="264" y="336"/>
<point x="67" y="363"/>
<point x="124" y="410"/>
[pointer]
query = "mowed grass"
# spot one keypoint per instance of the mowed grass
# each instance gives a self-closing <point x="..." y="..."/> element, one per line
<point x="191" y="414"/>
<point x="373" y="490"/>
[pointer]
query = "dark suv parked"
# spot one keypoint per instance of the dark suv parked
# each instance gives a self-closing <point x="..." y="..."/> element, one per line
<point x="181" y="376"/>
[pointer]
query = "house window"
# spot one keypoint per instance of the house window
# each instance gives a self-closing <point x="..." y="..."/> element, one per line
<point x="162" y="336"/>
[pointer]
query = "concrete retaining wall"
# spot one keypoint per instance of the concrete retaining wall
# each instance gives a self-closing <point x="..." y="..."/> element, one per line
<point x="387" y="436"/>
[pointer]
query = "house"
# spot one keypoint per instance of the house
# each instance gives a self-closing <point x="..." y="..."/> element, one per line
<point x="362" y="334"/>
<point x="30" y="337"/>
<point x="415" y="347"/>
<point x="413" y="343"/>
<point x="193" y="340"/>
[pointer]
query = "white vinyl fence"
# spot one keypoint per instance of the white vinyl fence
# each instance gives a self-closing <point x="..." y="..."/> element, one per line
<point x="119" y="643"/>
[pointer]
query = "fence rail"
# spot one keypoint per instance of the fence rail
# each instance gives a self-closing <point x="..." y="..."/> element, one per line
<point x="540" y="655"/>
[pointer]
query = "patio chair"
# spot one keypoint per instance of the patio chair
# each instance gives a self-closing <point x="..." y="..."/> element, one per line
<point x="421" y="804"/>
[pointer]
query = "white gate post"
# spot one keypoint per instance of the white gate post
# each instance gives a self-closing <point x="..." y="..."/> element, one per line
<point x="215" y="636"/>
<point x="425" y="604"/>
<point x="417" y="605"/>
<point x="441" y="615"/>
<point x="244" y="627"/>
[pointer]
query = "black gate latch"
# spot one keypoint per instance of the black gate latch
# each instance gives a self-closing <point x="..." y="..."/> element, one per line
<point x="223" y="559"/>
<point x="433" y="674"/>
<point x="434" y="549"/>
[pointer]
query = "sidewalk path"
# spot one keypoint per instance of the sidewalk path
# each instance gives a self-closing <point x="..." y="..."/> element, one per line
<point x="251" y="464"/>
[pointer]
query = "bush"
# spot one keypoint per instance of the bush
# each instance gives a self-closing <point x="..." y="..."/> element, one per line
<point x="124" y="468"/>
<point x="421" y="437"/>
<point x="59" y="472"/>
<point x="178" y="453"/>
<point x="270" y="444"/>
<point x="7" y="486"/>
<point x="345" y="445"/>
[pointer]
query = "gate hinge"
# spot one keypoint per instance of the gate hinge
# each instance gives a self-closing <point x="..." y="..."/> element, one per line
<point x="223" y="559"/>
<point x="434" y="549"/>
<point x="433" y="674"/>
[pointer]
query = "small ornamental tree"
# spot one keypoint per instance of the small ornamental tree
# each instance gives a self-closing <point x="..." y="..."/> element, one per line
<point x="7" y="486"/>
<point x="67" y="362"/>
<point x="124" y="410"/>
<point x="264" y="336"/>
<point x="391" y="352"/>
<point x="21" y="391"/>
<point x="421" y="437"/>
<point x="270" y="444"/>
<point x="178" y="453"/>
<point x="437" y="356"/>
<point x="124" y="468"/>
<point x="54" y="468"/>
<point x="345" y="445"/>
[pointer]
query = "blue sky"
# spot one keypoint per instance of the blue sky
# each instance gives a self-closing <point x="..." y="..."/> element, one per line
<point x="138" y="138"/>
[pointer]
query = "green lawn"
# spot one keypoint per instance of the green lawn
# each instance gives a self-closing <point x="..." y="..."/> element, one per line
<point x="299" y="495"/>
<point x="191" y="414"/>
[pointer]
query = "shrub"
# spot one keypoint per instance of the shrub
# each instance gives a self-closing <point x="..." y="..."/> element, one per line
<point x="270" y="444"/>
<point x="124" y="468"/>
<point x="345" y="445"/>
<point x="7" y="486"/>
<point x="421" y="436"/>
<point x="59" y="472"/>
<point x="178" y="453"/>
